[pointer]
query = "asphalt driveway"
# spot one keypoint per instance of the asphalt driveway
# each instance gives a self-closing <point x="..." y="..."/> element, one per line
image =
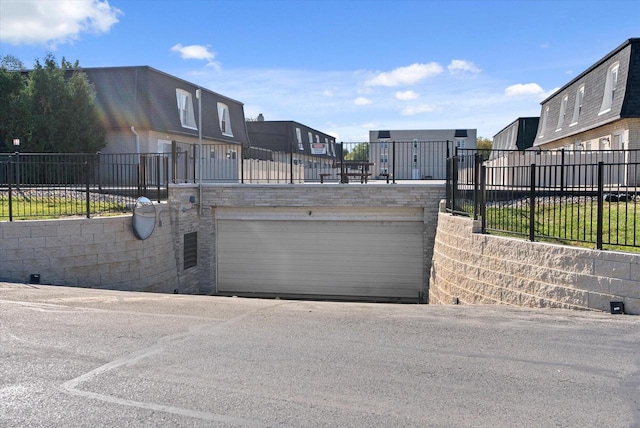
<point x="73" y="357"/>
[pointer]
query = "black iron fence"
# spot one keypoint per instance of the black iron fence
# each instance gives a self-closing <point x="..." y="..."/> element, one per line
<point x="34" y="185"/>
<point x="334" y="162"/>
<point x="589" y="198"/>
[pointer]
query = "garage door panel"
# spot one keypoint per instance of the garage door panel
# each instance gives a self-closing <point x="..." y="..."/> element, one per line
<point x="317" y="257"/>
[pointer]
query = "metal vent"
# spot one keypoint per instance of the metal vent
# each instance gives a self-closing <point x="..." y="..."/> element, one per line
<point x="190" y="250"/>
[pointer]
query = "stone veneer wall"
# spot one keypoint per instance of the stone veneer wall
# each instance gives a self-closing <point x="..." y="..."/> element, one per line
<point x="96" y="253"/>
<point x="202" y="277"/>
<point x="483" y="269"/>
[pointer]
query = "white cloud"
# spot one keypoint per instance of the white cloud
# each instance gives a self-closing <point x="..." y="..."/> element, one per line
<point x="409" y="75"/>
<point x="198" y="52"/>
<point x="33" y="22"/>
<point x="523" y="89"/>
<point x="406" y="95"/>
<point x="425" y="108"/>
<point x="362" y="101"/>
<point x="458" y="66"/>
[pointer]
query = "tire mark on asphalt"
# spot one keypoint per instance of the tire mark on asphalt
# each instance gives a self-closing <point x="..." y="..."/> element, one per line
<point x="71" y="386"/>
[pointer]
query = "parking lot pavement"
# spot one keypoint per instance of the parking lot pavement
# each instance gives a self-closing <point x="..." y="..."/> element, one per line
<point x="92" y="358"/>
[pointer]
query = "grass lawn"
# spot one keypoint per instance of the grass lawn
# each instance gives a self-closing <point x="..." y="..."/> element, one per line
<point x="35" y="208"/>
<point x="572" y="223"/>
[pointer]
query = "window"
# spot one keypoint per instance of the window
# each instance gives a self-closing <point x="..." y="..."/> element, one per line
<point x="609" y="88"/>
<point x="563" y="112"/>
<point x="577" y="109"/>
<point x="225" y="121"/>
<point x="232" y="154"/>
<point x="310" y="135"/>
<point x="384" y="158"/>
<point x="299" y="139"/>
<point x="415" y="144"/>
<point x="317" y="138"/>
<point x="296" y="161"/>
<point x="415" y="158"/>
<point x="460" y="143"/>
<point x="185" y="109"/>
<point x="384" y="145"/>
<point x="604" y="143"/>
<point x="545" y="115"/>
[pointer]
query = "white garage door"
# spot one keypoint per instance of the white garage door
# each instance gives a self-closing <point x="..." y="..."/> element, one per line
<point x="321" y="252"/>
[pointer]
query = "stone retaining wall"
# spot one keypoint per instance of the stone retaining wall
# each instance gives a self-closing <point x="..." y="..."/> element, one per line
<point x="96" y="253"/>
<point x="472" y="268"/>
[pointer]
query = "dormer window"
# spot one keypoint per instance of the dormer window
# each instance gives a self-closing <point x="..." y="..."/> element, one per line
<point x="610" y="88"/>
<point x="299" y="139"/>
<point x="577" y="109"/>
<point x="563" y="112"/>
<point x="185" y="109"/>
<point x="545" y="115"/>
<point x="224" y="119"/>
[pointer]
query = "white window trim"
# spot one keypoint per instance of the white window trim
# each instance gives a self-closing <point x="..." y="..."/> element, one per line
<point x="577" y="108"/>
<point x="609" y="88"/>
<point x="185" y="109"/>
<point x="563" y="112"/>
<point x="224" y="120"/>
<point x="545" y="115"/>
<point x="299" y="139"/>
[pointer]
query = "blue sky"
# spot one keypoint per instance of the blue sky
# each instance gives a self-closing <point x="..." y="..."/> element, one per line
<point x="342" y="67"/>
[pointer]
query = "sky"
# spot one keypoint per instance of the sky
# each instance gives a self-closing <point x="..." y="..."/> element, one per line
<point x="341" y="67"/>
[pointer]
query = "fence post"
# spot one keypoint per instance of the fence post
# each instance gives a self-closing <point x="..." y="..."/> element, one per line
<point x="99" y="172"/>
<point x="87" y="186"/>
<point x="174" y="160"/>
<point x="291" y="163"/>
<point x="600" y="209"/>
<point x="483" y="197"/>
<point x="454" y="183"/>
<point x="158" y="175"/>
<point x="195" y="163"/>
<point x="532" y="203"/>
<point x="448" y="185"/>
<point x="342" y="176"/>
<point x="241" y="163"/>
<point x="10" y="179"/>
<point x="142" y="176"/>
<point x="562" y="171"/>
<point x="477" y="163"/>
<point x="393" y="165"/>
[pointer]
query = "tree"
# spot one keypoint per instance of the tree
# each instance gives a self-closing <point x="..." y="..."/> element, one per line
<point x="13" y="111"/>
<point x="484" y="146"/>
<point x="359" y="152"/>
<point x="55" y="106"/>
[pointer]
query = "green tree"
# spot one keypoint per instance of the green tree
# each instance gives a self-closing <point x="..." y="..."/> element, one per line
<point x="56" y="107"/>
<point x="359" y="152"/>
<point x="13" y="110"/>
<point x="484" y="146"/>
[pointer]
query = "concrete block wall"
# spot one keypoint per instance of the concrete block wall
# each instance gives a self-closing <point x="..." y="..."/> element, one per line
<point x="483" y="269"/>
<point x="201" y="278"/>
<point x="95" y="253"/>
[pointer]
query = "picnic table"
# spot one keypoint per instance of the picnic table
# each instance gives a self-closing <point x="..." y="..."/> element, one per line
<point x="354" y="168"/>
